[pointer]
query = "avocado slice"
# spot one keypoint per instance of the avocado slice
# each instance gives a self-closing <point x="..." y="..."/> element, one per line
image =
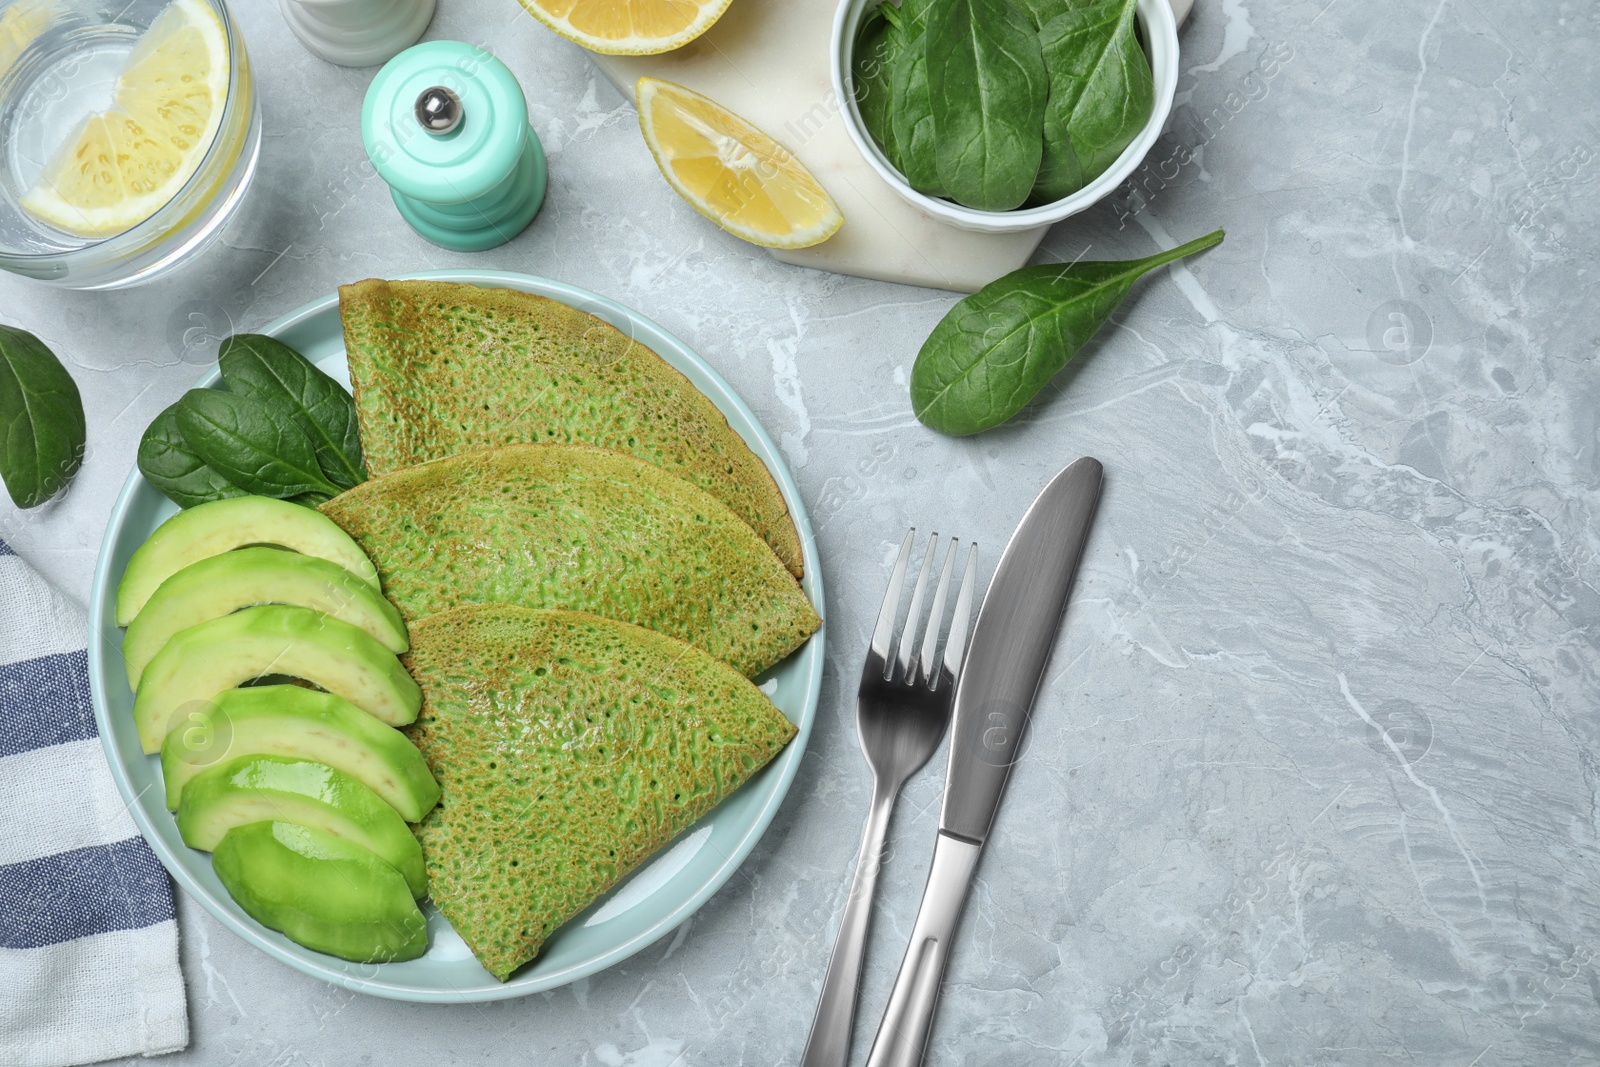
<point x="307" y="793"/>
<point x="221" y="584"/>
<point x="286" y="720"/>
<point x="219" y="526"/>
<point x="321" y="891"/>
<point x="204" y="660"/>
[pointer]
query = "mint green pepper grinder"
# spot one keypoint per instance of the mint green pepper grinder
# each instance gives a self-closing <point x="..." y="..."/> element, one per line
<point x="446" y="125"/>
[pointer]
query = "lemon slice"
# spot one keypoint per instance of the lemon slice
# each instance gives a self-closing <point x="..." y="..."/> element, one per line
<point x="22" y="24"/>
<point x="731" y="172"/>
<point x="125" y="164"/>
<point x="628" y="27"/>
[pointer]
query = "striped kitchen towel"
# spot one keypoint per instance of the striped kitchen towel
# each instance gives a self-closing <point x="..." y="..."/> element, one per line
<point x="88" y="943"/>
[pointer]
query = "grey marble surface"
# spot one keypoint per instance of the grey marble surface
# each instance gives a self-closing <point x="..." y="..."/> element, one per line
<point x="1313" y="776"/>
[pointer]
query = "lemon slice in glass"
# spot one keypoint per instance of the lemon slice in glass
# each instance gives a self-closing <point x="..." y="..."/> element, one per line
<point x="123" y="165"/>
<point x="22" y="24"/>
<point x="731" y="172"/>
<point x="628" y="27"/>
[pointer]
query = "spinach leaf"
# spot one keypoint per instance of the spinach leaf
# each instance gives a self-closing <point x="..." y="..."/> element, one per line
<point x="1101" y="94"/>
<point x="996" y="348"/>
<point x="266" y="369"/>
<point x="169" y="464"/>
<point x="255" y="444"/>
<point x="911" y="17"/>
<point x="1042" y="11"/>
<point x="42" y="431"/>
<point x="987" y="88"/>
<point x="911" y="112"/>
<point x="877" y="43"/>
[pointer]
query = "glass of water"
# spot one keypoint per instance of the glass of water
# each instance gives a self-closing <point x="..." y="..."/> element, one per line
<point x="129" y="131"/>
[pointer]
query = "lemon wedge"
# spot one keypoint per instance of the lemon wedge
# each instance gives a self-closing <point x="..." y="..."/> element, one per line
<point x="731" y="172"/>
<point x="125" y="164"/>
<point x="628" y="27"/>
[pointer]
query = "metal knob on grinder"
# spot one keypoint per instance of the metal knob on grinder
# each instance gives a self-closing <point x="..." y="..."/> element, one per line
<point x="439" y="110"/>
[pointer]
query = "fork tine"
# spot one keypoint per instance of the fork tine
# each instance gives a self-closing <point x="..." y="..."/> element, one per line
<point x="883" y="633"/>
<point x="930" y="642"/>
<point x="908" y="636"/>
<point x="956" y="646"/>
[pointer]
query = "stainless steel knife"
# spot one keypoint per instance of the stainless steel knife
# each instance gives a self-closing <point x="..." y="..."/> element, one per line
<point x="1011" y="644"/>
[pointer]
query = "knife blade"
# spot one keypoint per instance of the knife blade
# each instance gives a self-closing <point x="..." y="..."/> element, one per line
<point x="1005" y="665"/>
<point x="1011" y="644"/>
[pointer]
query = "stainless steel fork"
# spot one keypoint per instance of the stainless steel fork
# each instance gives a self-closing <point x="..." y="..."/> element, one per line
<point x="902" y="710"/>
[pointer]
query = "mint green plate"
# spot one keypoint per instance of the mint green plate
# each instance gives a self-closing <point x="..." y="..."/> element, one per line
<point x="654" y="900"/>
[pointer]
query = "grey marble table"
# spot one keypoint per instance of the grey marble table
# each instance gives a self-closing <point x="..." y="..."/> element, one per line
<point x="1313" y="777"/>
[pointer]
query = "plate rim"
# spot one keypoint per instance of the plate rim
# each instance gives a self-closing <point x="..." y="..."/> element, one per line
<point x="786" y="765"/>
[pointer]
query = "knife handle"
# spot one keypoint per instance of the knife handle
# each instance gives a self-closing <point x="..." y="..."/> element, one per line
<point x="903" y="1034"/>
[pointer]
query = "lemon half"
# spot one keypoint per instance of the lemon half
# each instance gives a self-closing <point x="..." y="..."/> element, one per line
<point x="731" y="172"/>
<point x="628" y="27"/>
<point x="125" y="164"/>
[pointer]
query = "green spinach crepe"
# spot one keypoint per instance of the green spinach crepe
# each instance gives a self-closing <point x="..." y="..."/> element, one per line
<point x="440" y="368"/>
<point x="581" y="529"/>
<point x="568" y="749"/>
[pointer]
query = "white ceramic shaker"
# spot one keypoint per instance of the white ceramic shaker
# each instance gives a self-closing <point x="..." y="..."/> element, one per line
<point x="357" y="33"/>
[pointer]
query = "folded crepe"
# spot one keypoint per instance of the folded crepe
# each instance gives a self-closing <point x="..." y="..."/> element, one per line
<point x="440" y="368"/>
<point x="582" y="529"/>
<point x="568" y="749"/>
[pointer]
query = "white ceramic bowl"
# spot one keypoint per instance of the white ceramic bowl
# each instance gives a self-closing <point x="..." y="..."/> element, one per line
<point x="1161" y="48"/>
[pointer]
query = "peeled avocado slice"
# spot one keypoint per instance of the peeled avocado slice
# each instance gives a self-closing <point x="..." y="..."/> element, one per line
<point x="223" y="525"/>
<point x="260" y="788"/>
<point x="222" y="584"/>
<point x="208" y="659"/>
<point x="286" y="720"/>
<point x="321" y="891"/>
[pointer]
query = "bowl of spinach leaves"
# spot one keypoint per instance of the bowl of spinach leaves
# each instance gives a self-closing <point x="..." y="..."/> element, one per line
<point x="1004" y="115"/>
